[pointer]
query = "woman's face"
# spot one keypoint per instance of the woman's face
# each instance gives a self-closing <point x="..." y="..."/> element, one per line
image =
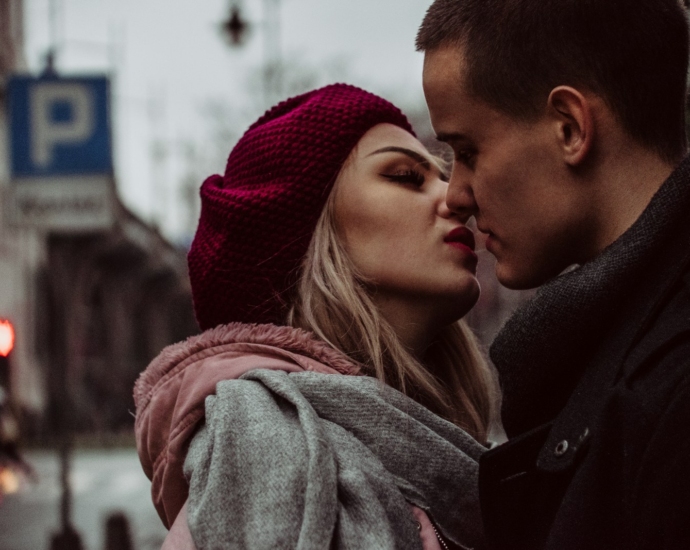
<point x="392" y="217"/>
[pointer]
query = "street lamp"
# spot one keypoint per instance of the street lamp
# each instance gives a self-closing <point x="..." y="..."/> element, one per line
<point x="235" y="27"/>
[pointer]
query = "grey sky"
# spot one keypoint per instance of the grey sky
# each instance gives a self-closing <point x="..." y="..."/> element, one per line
<point x="169" y="55"/>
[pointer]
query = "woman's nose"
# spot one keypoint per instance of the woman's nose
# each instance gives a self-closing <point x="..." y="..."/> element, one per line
<point x="443" y="210"/>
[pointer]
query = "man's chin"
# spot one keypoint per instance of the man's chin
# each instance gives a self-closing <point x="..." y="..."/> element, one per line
<point x="519" y="278"/>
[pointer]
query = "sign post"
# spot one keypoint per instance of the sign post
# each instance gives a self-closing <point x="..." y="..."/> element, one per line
<point x="62" y="182"/>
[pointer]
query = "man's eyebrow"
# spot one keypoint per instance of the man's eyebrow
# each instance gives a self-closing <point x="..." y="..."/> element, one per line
<point x="447" y="138"/>
<point x="421" y="159"/>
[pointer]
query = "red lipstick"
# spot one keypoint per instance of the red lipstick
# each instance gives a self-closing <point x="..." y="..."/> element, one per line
<point x="461" y="238"/>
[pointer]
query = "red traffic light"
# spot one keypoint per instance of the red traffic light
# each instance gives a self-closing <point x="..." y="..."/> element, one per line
<point x="6" y="337"/>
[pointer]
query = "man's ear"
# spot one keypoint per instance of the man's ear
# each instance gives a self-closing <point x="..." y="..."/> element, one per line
<point x="574" y="123"/>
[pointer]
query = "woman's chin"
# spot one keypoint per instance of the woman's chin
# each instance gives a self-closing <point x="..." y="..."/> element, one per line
<point x="453" y="306"/>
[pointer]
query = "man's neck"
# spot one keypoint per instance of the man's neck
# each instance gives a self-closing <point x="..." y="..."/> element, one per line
<point x="626" y="183"/>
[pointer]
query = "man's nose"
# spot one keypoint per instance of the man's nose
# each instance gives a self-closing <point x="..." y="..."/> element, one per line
<point x="460" y="197"/>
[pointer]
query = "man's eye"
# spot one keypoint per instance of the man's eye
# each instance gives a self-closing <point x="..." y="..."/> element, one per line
<point x="406" y="176"/>
<point x="465" y="156"/>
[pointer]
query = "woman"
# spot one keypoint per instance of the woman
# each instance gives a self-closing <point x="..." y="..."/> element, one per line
<point x="327" y="248"/>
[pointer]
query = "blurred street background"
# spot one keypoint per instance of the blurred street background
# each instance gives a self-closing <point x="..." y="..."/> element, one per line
<point x="111" y="116"/>
<point x="105" y="482"/>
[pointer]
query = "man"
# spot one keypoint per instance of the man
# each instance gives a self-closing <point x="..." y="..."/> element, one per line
<point x="566" y="118"/>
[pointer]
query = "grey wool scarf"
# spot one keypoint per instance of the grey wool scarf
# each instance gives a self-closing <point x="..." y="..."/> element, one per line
<point x="317" y="461"/>
<point x="544" y="348"/>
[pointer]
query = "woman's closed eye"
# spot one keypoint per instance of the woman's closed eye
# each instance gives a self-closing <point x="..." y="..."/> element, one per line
<point x="408" y="176"/>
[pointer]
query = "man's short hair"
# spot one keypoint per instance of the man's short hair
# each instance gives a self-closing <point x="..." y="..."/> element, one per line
<point x="632" y="53"/>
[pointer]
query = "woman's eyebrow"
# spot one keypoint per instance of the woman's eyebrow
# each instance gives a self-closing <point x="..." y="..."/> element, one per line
<point x="421" y="159"/>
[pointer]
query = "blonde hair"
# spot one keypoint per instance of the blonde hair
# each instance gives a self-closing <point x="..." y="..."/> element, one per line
<point x="332" y="301"/>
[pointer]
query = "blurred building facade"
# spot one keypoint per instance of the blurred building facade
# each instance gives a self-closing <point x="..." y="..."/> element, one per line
<point x="90" y="308"/>
<point x="94" y="308"/>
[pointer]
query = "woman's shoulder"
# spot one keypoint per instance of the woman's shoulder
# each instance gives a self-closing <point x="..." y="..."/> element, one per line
<point x="170" y="394"/>
<point x="233" y="349"/>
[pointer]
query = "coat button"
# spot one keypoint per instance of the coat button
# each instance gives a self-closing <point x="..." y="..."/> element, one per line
<point x="561" y="448"/>
<point x="583" y="436"/>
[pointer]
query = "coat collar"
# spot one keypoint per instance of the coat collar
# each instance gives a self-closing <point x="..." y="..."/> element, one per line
<point x="544" y="349"/>
<point x="282" y="338"/>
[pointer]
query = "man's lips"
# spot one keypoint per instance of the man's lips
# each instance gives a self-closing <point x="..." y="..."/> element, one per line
<point x="490" y="242"/>
<point x="489" y="238"/>
<point x="461" y="237"/>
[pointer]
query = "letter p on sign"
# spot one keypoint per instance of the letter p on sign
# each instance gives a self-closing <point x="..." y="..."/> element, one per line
<point x="49" y="104"/>
<point x="59" y="126"/>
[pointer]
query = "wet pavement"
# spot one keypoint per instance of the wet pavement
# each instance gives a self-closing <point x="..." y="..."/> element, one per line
<point x="103" y="481"/>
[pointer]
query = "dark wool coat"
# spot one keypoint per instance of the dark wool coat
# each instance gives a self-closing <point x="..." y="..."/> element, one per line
<point x="596" y="378"/>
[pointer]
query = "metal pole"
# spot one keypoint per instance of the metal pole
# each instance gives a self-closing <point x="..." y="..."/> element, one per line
<point x="65" y="468"/>
<point x="272" y="53"/>
<point x="53" y="24"/>
<point x="67" y="281"/>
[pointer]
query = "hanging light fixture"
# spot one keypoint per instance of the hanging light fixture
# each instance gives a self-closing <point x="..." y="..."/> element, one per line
<point x="235" y="27"/>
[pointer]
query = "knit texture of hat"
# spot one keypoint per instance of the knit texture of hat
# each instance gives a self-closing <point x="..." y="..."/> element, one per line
<point x="257" y="221"/>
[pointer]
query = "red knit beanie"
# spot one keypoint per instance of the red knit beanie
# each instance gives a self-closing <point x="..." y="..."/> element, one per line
<point x="258" y="220"/>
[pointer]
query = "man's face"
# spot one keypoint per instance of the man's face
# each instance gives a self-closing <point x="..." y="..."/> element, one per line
<point x="510" y="175"/>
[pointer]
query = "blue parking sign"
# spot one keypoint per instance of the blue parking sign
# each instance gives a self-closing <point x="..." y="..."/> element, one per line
<point x="59" y="126"/>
